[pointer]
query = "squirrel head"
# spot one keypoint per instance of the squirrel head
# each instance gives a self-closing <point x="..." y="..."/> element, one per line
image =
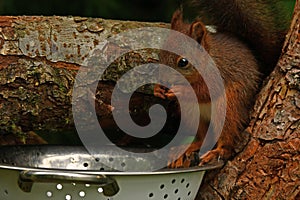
<point x="195" y="30"/>
<point x="199" y="33"/>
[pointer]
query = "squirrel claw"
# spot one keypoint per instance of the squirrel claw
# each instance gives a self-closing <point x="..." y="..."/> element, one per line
<point x="187" y="159"/>
<point x="179" y="91"/>
<point x="159" y="91"/>
<point x="170" y="95"/>
<point x="214" y="156"/>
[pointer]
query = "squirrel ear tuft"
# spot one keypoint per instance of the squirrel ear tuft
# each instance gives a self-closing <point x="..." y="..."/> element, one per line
<point x="198" y="32"/>
<point x="177" y="19"/>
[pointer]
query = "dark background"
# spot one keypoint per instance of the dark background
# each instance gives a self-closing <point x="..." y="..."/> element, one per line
<point x="141" y="10"/>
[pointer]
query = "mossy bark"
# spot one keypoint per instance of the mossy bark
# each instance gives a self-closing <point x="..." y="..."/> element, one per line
<point x="39" y="60"/>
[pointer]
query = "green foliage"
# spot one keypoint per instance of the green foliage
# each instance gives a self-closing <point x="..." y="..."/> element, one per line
<point x="146" y="10"/>
<point x="287" y="8"/>
<point x="141" y="10"/>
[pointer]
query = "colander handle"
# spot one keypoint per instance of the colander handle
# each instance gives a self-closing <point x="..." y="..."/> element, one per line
<point x="27" y="178"/>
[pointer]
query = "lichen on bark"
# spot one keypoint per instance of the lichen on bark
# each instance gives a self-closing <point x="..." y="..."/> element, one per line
<point x="39" y="60"/>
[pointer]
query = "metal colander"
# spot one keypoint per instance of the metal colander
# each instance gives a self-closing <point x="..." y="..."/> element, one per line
<point x="71" y="173"/>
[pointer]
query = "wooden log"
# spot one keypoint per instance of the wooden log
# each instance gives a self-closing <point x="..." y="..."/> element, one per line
<point x="39" y="60"/>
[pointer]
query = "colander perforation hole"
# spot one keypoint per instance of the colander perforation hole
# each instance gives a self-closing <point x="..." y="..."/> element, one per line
<point x="85" y="164"/>
<point x="173" y="181"/>
<point x="189" y="193"/>
<point x="166" y="196"/>
<point x="6" y="192"/>
<point x="176" y="191"/>
<point x="100" y="189"/>
<point x="123" y="164"/>
<point x="49" y="194"/>
<point x="162" y="186"/>
<point x="182" y="180"/>
<point x="59" y="186"/>
<point x="151" y="195"/>
<point x="111" y="159"/>
<point x="68" y="197"/>
<point x="187" y="185"/>
<point x="81" y="194"/>
<point x="97" y="159"/>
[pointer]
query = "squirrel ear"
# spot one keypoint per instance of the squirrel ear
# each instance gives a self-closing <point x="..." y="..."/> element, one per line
<point x="177" y="19"/>
<point x="198" y="32"/>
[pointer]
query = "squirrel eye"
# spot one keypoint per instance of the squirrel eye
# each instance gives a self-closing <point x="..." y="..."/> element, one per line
<point x="182" y="62"/>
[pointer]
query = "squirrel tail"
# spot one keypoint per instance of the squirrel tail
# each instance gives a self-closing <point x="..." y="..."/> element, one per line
<point x="261" y="24"/>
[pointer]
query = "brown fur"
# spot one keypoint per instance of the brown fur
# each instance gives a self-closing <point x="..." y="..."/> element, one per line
<point x="239" y="70"/>
<point x="262" y="24"/>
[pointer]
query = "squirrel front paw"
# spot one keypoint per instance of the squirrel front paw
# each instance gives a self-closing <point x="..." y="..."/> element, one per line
<point x="173" y="92"/>
<point x="185" y="160"/>
<point x="159" y="91"/>
<point x="214" y="156"/>
<point x="182" y="91"/>
<point x="190" y="157"/>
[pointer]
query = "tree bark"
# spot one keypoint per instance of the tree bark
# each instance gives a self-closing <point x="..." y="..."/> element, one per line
<point x="269" y="165"/>
<point x="39" y="59"/>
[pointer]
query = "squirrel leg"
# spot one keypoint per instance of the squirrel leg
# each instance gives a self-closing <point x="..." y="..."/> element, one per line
<point x="187" y="159"/>
<point x="231" y="135"/>
<point x="223" y="151"/>
<point x="224" y="147"/>
<point x="190" y="157"/>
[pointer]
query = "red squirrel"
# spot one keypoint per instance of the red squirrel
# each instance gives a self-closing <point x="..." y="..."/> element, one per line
<point x="238" y="66"/>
